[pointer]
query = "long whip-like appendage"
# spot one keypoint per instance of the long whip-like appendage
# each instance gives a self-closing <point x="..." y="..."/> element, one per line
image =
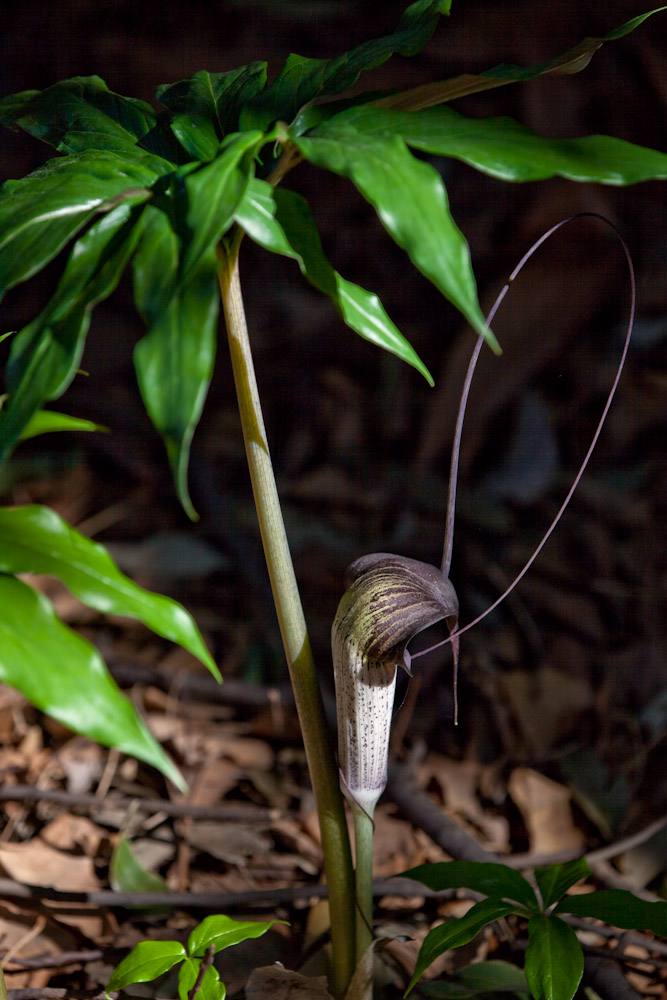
<point x="451" y="501"/>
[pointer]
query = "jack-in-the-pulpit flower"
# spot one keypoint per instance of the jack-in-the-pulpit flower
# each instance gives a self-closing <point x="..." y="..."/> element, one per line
<point x="387" y="601"/>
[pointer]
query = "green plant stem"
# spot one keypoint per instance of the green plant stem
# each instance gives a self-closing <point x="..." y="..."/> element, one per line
<point x="307" y="694"/>
<point x="363" y="878"/>
<point x="3" y="988"/>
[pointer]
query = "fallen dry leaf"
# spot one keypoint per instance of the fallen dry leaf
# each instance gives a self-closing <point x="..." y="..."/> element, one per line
<point x="395" y="844"/>
<point x="460" y="782"/>
<point x="274" y="982"/>
<point x="81" y="760"/>
<point x="67" y="832"/>
<point x="545" y="807"/>
<point x="212" y="782"/>
<point x="36" y="863"/>
<point x="230" y="842"/>
<point x="545" y="704"/>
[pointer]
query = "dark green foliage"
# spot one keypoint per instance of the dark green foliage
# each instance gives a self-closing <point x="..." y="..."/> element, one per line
<point x="554" y="959"/>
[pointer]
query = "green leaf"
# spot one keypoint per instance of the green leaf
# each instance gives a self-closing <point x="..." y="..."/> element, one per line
<point x="146" y="961"/>
<point x="187" y="977"/>
<point x="42" y="212"/>
<point x="455" y="933"/>
<point x="175" y="279"/>
<point x="281" y="221"/>
<point x="554" y="881"/>
<point x="572" y="61"/>
<point x="206" y="107"/>
<point x="35" y="539"/>
<point x="505" y="149"/>
<point x="196" y="135"/>
<point x="619" y="908"/>
<point x="210" y="196"/>
<point x="303" y="80"/>
<point x="482" y="979"/>
<point x="83" y="114"/>
<point x="80" y="104"/>
<point x="64" y="676"/>
<point x="483" y="876"/>
<point x="211" y="988"/>
<point x="174" y="361"/>
<point x="46" y="421"/>
<point x="410" y="200"/>
<point x="493" y="977"/>
<point x="223" y="932"/>
<point x="45" y="356"/>
<point x="127" y="874"/>
<point x="630" y="25"/>
<point x="554" y="962"/>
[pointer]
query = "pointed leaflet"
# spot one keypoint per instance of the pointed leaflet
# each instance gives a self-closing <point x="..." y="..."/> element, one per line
<point x="488" y="877"/>
<point x="82" y="113"/>
<point x="127" y="874"/>
<point x="555" y="880"/>
<point x="505" y="149"/>
<point x="80" y="104"/>
<point x="205" y="107"/>
<point x="575" y="59"/>
<point x="45" y="354"/>
<point x="175" y="288"/>
<point x="619" y="908"/>
<point x="303" y="80"/>
<point x="455" y="933"/>
<point x="34" y="539"/>
<point x="223" y="932"/>
<point x="554" y="962"/>
<point x="201" y="202"/>
<point x="46" y="421"/>
<point x="482" y="978"/>
<point x="146" y="961"/>
<point x="210" y="989"/>
<point x="64" y="676"/>
<point x="281" y="221"/>
<point x="174" y="361"/>
<point x="41" y="213"/>
<point x="410" y="200"/>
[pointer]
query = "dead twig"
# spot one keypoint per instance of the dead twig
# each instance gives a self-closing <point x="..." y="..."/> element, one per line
<point x="57" y="961"/>
<point x="58" y="992"/>
<point x="206" y="961"/>
<point x="202" y="687"/>
<point x="425" y="815"/>
<point x="236" y="813"/>
<point x="606" y="977"/>
<point x="612" y="850"/>
<point x="215" y="901"/>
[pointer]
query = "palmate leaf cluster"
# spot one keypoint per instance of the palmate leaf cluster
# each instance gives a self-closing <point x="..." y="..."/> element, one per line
<point x="150" y="959"/>
<point x="554" y="961"/>
<point x="163" y="194"/>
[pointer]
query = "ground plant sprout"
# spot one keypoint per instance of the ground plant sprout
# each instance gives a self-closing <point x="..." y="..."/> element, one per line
<point x="169" y="197"/>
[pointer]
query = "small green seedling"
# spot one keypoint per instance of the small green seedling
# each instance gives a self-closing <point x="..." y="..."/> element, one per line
<point x="198" y="978"/>
<point x="554" y="961"/>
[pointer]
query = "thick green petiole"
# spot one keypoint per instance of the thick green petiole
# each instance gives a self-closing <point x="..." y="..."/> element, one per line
<point x="307" y="695"/>
<point x="363" y="878"/>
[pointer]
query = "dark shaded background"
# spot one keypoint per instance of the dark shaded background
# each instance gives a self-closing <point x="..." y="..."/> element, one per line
<point x="569" y="674"/>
